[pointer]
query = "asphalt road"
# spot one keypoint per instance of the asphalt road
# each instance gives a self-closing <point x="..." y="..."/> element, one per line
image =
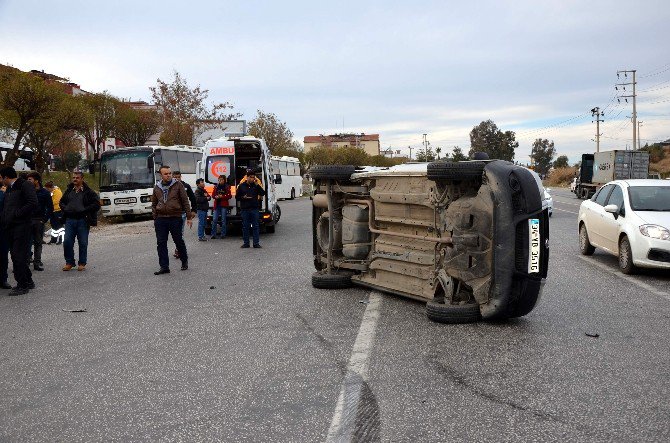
<point x="241" y="348"/>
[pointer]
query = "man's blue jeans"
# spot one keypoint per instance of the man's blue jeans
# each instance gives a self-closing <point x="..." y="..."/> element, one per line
<point x="76" y="228"/>
<point x="202" y="220"/>
<point x="223" y="213"/>
<point x="250" y="218"/>
<point x="166" y="226"/>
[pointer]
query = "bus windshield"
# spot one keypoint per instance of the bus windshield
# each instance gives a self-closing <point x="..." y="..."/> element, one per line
<point x="126" y="170"/>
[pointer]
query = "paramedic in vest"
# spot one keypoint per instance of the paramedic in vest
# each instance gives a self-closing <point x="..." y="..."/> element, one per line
<point x="168" y="202"/>
<point x="248" y="192"/>
<point x="57" y="215"/>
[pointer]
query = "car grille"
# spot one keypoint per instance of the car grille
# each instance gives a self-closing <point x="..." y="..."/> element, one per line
<point x="659" y="255"/>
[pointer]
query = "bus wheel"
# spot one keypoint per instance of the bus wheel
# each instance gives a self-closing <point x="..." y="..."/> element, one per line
<point x="292" y="194"/>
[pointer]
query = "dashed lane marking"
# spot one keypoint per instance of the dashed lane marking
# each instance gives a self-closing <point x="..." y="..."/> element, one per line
<point x="342" y="427"/>
<point x="563" y="210"/>
<point x="628" y="278"/>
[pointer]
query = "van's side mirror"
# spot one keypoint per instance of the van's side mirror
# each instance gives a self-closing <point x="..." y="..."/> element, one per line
<point x="612" y="209"/>
<point x="277" y="179"/>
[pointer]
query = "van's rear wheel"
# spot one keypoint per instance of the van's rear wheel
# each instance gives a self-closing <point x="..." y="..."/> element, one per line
<point x="331" y="281"/>
<point x="452" y="314"/>
<point x="332" y="172"/>
<point x="455" y="170"/>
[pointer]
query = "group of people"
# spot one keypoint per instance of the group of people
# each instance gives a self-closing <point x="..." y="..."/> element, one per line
<point x="25" y="207"/>
<point x="172" y="202"/>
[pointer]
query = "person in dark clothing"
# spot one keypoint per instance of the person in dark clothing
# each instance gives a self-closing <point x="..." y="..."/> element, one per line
<point x="248" y="192"/>
<point x="222" y="195"/>
<point x="40" y="216"/>
<point x="80" y="206"/>
<point x="191" y="198"/>
<point x="20" y="201"/>
<point x="202" y="199"/>
<point x="168" y="202"/>
<point x="4" y="248"/>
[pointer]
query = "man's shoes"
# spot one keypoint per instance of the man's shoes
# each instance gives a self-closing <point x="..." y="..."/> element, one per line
<point x="202" y="239"/>
<point x="5" y="285"/>
<point x="184" y="266"/>
<point x="257" y="246"/>
<point x="81" y="268"/>
<point x="18" y="291"/>
<point x="38" y="267"/>
<point x="244" y="246"/>
<point x="162" y="271"/>
<point x="176" y="254"/>
<point x="31" y="285"/>
<point x="68" y="267"/>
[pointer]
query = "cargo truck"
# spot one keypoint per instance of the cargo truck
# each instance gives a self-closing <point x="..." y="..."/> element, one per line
<point x="603" y="167"/>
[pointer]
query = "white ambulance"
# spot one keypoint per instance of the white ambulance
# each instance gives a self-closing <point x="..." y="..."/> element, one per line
<point x="231" y="157"/>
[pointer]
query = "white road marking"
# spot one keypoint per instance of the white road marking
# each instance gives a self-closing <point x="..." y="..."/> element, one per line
<point x="344" y="420"/>
<point x="563" y="210"/>
<point x="628" y="278"/>
<point x="567" y="203"/>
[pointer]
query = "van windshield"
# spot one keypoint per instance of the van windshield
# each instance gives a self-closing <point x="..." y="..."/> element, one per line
<point x="650" y="198"/>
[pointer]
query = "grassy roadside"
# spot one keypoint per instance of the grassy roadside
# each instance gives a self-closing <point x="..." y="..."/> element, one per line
<point x="62" y="179"/>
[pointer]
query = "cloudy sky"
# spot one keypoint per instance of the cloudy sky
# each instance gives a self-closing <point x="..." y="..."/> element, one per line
<point x="399" y="69"/>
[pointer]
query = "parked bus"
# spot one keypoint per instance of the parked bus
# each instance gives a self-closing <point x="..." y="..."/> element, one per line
<point x="25" y="162"/>
<point x="287" y="178"/>
<point x="231" y="157"/>
<point x="128" y="176"/>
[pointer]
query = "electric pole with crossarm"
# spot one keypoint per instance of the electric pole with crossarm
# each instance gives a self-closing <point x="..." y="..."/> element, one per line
<point x="595" y="112"/>
<point x="626" y="97"/>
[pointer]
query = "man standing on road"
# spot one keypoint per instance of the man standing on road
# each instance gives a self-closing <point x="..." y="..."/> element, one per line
<point x="202" y="199"/>
<point x="222" y="196"/>
<point x="80" y="206"/>
<point x="20" y="201"/>
<point x="57" y="229"/>
<point x="248" y="192"/>
<point x="40" y="216"/>
<point x="4" y="247"/>
<point x="168" y="202"/>
<point x="191" y="198"/>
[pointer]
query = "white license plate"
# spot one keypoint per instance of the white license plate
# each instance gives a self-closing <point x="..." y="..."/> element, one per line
<point x="534" y="246"/>
<point x="121" y="201"/>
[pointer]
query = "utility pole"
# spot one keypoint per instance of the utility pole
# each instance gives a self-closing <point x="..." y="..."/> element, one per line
<point x="639" y="137"/>
<point x="425" y="142"/>
<point x="410" y="152"/>
<point x="595" y="112"/>
<point x="626" y="97"/>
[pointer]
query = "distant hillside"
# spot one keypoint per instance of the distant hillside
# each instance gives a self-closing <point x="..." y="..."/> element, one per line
<point x="663" y="164"/>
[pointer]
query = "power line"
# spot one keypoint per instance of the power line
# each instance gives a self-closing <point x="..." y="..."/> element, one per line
<point x="662" y="69"/>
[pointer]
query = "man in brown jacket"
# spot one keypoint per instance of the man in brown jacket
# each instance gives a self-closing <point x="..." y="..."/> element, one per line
<point x="168" y="202"/>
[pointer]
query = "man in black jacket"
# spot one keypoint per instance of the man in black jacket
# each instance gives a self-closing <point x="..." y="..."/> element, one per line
<point x="80" y="207"/>
<point x="20" y="201"/>
<point x="248" y="192"/>
<point x="41" y="214"/>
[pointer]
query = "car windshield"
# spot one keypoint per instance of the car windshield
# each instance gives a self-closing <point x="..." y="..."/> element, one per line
<point x="650" y="198"/>
<point x="124" y="169"/>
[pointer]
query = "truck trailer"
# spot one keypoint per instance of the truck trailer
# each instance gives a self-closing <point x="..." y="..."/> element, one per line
<point x="603" y="167"/>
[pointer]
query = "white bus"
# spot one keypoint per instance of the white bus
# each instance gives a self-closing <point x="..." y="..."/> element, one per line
<point x="128" y="176"/>
<point x="287" y="178"/>
<point x="231" y="157"/>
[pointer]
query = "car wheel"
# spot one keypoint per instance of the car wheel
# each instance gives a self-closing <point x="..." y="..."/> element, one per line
<point x="451" y="314"/>
<point x="332" y="172"/>
<point x="626" y="257"/>
<point x="455" y="170"/>
<point x="331" y="281"/>
<point x="585" y="246"/>
<point x="270" y="229"/>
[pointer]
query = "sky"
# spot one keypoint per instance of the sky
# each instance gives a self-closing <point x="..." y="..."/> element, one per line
<point x="397" y="68"/>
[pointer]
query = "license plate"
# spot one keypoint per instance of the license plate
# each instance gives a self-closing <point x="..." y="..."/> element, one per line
<point x="126" y="211"/>
<point x="534" y="246"/>
<point x="121" y="201"/>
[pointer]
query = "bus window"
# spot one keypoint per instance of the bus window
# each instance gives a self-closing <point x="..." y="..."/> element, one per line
<point x="186" y="162"/>
<point x="169" y="158"/>
<point x="282" y="168"/>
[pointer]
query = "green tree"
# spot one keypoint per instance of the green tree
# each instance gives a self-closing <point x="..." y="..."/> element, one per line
<point x="425" y="155"/>
<point x="542" y="153"/>
<point x="486" y="137"/>
<point x="561" y="162"/>
<point x="457" y="154"/>
<point x="182" y="107"/>
<point x="275" y="132"/>
<point x="100" y="120"/>
<point x="135" y="126"/>
<point x="25" y="101"/>
<point x="438" y="150"/>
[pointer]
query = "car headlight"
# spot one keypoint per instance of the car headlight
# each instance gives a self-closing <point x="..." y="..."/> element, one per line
<point x="655" y="231"/>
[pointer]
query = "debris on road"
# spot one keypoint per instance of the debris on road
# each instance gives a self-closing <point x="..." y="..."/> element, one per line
<point x="74" y="310"/>
<point x="592" y="335"/>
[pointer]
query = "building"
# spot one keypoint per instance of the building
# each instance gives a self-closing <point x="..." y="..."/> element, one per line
<point x="368" y="142"/>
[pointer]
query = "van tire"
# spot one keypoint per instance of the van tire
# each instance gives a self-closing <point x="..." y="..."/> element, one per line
<point x="332" y="172"/>
<point x="452" y="314"/>
<point x="331" y="281"/>
<point x="455" y="170"/>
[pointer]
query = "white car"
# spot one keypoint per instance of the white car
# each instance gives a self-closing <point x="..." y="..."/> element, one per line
<point x="549" y="201"/>
<point x="631" y="219"/>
